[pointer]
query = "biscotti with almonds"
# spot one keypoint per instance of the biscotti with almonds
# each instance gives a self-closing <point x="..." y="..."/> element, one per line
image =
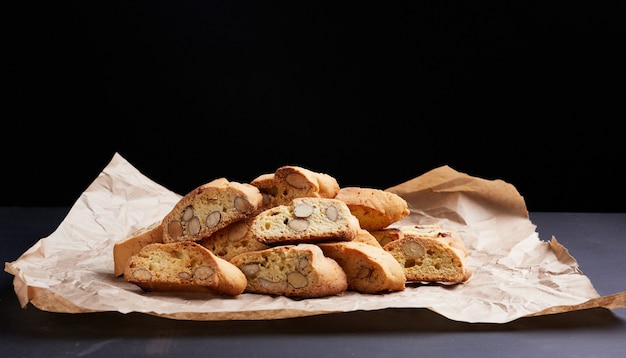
<point x="429" y="257"/>
<point x="449" y="237"/>
<point x="123" y="250"/>
<point x="232" y="240"/>
<point x="184" y="266"/>
<point x="208" y="208"/>
<point x="289" y="182"/>
<point x="305" y="220"/>
<point x="369" y="269"/>
<point x="375" y="208"/>
<point x="291" y="270"/>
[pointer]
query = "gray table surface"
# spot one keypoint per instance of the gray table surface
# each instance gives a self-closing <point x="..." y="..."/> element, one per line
<point x="596" y="240"/>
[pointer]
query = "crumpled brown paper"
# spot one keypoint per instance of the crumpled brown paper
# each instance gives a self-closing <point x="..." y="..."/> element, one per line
<point x="515" y="273"/>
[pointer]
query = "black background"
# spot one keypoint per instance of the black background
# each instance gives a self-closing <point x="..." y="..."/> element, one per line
<point x="372" y="94"/>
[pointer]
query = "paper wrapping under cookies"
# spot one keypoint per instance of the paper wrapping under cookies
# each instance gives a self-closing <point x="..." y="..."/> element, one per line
<point x="516" y="274"/>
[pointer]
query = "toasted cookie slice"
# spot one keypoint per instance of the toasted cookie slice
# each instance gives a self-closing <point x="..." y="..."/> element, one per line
<point x="369" y="269"/>
<point x="123" y="250"/>
<point x="266" y="183"/>
<point x="208" y="208"/>
<point x="289" y="182"/>
<point x="375" y="208"/>
<point x="429" y="258"/>
<point x="291" y="270"/>
<point x="183" y="266"/>
<point x="365" y="236"/>
<point x="233" y="240"/>
<point x="305" y="220"/>
<point x="449" y="237"/>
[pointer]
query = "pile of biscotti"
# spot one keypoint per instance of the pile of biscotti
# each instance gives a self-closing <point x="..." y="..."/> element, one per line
<point x="294" y="232"/>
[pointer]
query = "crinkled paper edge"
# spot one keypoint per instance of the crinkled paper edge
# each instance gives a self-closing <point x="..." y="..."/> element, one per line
<point x="119" y="179"/>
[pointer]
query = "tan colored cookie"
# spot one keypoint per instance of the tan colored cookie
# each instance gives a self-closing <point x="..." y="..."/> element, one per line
<point x="428" y="257"/>
<point x="305" y="220"/>
<point x="183" y="266"/>
<point x="233" y="240"/>
<point x="124" y="249"/>
<point x="449" y="237"/>
<point x="208" y="208"/>
<point x="375" y="208"/>
<point x="291" y="270"/>
<point x="369" y="269"/>
<point x="289" y="182"/>
<point x="365" y="236"/>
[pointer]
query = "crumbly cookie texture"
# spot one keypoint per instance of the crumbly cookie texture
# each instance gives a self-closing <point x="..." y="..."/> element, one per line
<point x="233" y="240"/>
<point x="183" y="266"/>
<point x="375" y="208"/>
<point x="123" y="250"/>
<point x="292" y="270"/>
<point x="305" y="220"/>
<point x="449" y="237"/>
<point x="369" y="269"/>
<point x="208" y="208"/>
<point x="429" y="254"/>
<point x="289" y="182"/>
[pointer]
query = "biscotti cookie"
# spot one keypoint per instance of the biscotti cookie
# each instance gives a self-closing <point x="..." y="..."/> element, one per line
<point x="449" y="237"/>
<point x="123" y="250"/>
<point x="386" y="235"/>
<point x="183" y="266"/>
<point x="289" y="182"/>
<point x="365" y="236"/>
<point x="291" y="270"/>
<point x="369" y="269"/>
<point x="266" y="183"/>
<point x="208" y="208"/>
<point x="375" y="208"/>
<point x="429" y="258"/>
<point x="307" y="220"/>
<point x="233" y="240"/>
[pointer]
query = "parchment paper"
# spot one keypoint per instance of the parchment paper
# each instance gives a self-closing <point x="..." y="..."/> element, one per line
<point x="515" y="273"/>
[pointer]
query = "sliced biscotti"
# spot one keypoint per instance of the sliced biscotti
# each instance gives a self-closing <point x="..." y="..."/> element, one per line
<point x="289" y="182"/>
<point x="365" y="236"/>
<point x="208" y="208"/>
<point x="428" y="257"/>
<point x="233" y="240"/>
<point x="291" y="270"/>
<point x="449" y="237"/>
<point x="375" y="208"/>
<point x="123" y="250"/>
<point x="183" y="266"/>
<point x="369" y="269"/>
<point x="266" y="184"/>
<point x="305" y="220"/>
<point x="386" y="235"/>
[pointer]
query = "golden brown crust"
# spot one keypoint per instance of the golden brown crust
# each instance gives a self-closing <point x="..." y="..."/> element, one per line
<point x="291" y="270"/>
<point x="369" y="269"/>
<point x="209" y="208"/>
<point x="183" y="266"/>
<point x="267" y="186"/>
<point x="289" y="182"/>
<point x="365" y="236"/>
<point x="124" y="249"/>
<point x="386" y="235"/>
<point x="429" y="254"/>
<point x="375" y="208"/>
<point x="449" y="237"/>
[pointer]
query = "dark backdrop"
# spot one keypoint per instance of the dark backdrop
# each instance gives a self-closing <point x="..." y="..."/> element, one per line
<point x="374" y="95"/>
